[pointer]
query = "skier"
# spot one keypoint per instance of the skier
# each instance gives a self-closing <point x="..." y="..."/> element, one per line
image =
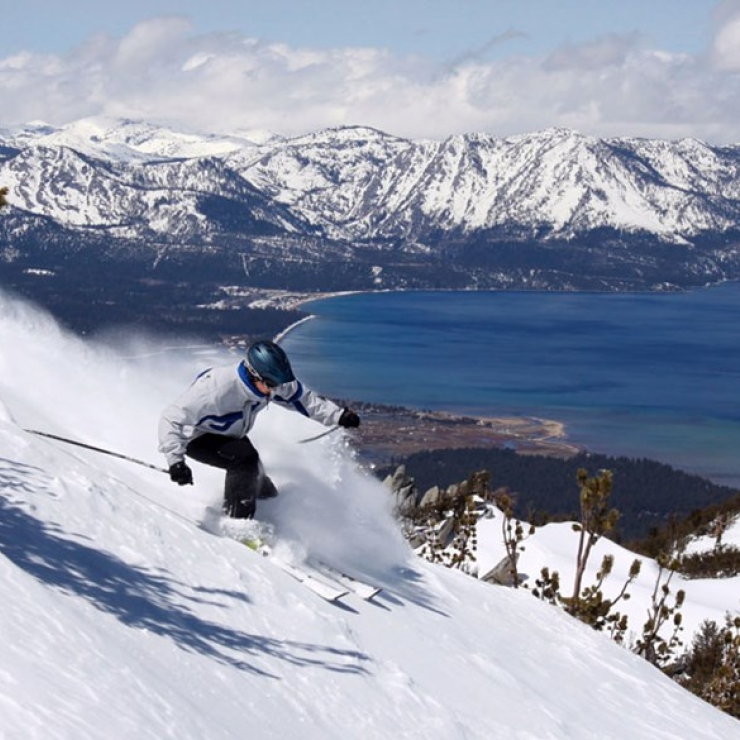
<point x="210" y="421"/>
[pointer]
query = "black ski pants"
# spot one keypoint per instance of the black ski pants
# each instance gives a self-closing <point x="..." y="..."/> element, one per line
<point x="244" y="473"/>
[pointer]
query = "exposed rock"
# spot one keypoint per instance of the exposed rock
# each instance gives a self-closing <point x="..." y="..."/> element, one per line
<point x="502" y="573"/>
<point x="431" y="497"/>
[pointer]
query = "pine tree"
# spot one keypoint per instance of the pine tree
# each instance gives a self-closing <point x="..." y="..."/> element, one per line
<point x="652" y="645"/>
<point x="588" y="603"/>
<point x="512" y="531"/>
<point x="723" y="690"/>
<point x="596" y="521"/>
<point x="712" y="667"/>
<point x="704" y="658"/>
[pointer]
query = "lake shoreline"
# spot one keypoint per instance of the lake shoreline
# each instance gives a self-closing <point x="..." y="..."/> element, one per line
<point x="549" y="356"/>
<point x="392" y="431"/>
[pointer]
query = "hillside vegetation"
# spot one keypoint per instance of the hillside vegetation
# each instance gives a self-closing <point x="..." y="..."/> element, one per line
<point x="647" y="493"/>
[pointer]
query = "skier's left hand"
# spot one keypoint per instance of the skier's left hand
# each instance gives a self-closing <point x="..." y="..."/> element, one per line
<point x="349" y="419"/>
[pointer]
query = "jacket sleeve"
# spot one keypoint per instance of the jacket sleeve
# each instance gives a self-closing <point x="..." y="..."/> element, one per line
<point x="176" y="425"/>
<point x="298" y="397"/>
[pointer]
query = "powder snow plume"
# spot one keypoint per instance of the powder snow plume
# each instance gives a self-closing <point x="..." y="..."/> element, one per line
<point x="108" y="393"/>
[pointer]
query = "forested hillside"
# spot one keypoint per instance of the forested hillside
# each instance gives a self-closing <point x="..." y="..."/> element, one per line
<point x="646" y="492"/>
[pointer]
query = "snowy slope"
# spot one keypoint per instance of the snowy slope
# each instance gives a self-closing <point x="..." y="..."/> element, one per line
<point x="555" y="546"/>
<point x="730" y="538"/>
<point x="121" y="617"/>
<point x="125" y="140"/>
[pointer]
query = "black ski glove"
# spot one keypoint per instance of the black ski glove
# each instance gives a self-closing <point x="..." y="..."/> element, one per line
<point x="349" y="419"/>
<point x="181" y="474"/>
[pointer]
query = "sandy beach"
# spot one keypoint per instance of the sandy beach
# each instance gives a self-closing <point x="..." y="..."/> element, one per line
<point x="392" y="432"/>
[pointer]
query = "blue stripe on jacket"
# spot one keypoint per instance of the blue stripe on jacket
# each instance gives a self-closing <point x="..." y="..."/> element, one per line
<point x="294" y="400"/>
<point x="220" y="423"/>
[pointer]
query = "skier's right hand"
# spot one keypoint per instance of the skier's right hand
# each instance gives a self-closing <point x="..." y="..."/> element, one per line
<point x="181" y="474"/>
<point x="349" y="419"/>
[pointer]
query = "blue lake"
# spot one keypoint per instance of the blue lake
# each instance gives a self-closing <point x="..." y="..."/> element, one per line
<point x="645" y="375"/>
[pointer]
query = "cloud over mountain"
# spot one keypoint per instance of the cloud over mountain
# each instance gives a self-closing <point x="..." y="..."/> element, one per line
<point x="613" y="85"/>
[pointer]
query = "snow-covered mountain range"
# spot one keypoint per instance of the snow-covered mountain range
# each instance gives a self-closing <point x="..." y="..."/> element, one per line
<point x="548" y="209"/>
<point x="123" y="617"/>
<point x="360" y="183"/>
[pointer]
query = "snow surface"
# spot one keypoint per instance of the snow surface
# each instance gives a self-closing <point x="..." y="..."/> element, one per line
<point x="126" y="140"/>
<point x="122" y="617"/>
<point x="555" y="546"/>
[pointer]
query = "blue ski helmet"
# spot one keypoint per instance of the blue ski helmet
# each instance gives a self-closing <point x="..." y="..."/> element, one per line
<point x="269" y="363"/>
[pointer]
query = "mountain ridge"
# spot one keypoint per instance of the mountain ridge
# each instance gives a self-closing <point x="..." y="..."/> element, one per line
<point x="354" y="208"/>
<point x="506" y="178"/>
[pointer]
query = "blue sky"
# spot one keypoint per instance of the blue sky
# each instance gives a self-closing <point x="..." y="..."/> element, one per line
<point x="441" y="29"/>
<point x="416" y="68"/>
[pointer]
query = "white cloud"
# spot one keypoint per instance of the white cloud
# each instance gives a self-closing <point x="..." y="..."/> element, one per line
<point x="726" y="49"/>
<point x="611" y="86"/>
<point x="151" y="43"/>
<point x="608" y="51"/>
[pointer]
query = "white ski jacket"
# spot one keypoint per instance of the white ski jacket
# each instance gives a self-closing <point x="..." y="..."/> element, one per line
<point x="223" y="400"/>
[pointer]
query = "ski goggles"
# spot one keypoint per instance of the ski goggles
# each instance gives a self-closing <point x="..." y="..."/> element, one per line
<point x="256" y="376"/>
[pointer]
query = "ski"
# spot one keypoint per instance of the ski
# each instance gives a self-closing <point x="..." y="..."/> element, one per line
<point x="326" y="591"/>
<point x="363" y="589"/>
<point x="331" y="584"/>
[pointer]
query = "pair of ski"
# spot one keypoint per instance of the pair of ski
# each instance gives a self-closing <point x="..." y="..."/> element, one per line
<point x="330" y="583"/>
<point x="327" y="582"/>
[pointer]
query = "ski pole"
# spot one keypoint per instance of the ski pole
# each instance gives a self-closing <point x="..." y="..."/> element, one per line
<point x="318" y="436"/>
<point x="96" y="449"/>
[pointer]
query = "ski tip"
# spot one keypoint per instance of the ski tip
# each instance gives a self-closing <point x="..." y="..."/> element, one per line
<point x="256" y="545"/>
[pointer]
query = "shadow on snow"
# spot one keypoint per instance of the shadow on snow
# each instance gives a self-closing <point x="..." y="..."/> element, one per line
<point x="139" y="598"/>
